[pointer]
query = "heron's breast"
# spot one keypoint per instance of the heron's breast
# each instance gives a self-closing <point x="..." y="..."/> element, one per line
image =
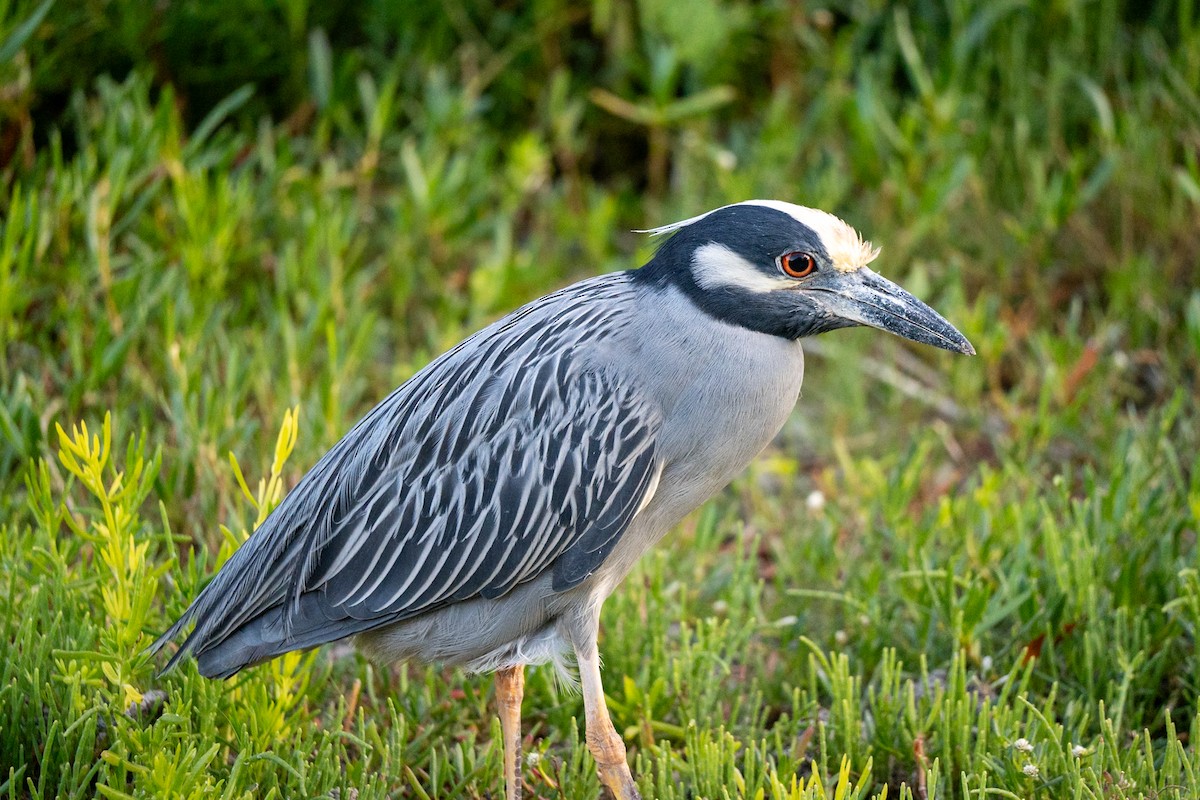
<point x="740" y="395"/>
<point x="724" y="392"/>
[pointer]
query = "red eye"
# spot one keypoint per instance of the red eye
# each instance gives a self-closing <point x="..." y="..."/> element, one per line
<point x="798" y="265"/>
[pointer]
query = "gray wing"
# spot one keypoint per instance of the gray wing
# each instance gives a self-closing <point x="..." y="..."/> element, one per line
<point x="510" y="455"/>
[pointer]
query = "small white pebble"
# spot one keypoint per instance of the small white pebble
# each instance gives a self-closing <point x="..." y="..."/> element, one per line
<point x="1079" y="751"/>
<point x="1023" y="745"/>
<point x="986" y="663"/>
<point x="841" y="637"/>
<point x="726" y="160"/>
<point x="1031" y="770"/>
<point x="815" y="501"/>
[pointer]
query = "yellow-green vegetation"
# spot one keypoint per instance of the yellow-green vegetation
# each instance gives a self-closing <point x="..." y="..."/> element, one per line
<point x="227" y="228"/>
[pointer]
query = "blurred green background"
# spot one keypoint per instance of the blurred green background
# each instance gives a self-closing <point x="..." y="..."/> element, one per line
<point x="212" y="212"/>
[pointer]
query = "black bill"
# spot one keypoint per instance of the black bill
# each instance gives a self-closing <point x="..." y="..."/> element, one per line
<point x="867" y="298"/>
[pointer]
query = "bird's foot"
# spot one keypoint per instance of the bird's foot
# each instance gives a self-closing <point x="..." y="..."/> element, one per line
<point x="619" y="781"/>
<point x="612" y="766"/>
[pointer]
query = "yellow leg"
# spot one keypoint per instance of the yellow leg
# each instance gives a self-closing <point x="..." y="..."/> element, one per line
<point x="602" y="738"/>
<point x="510" y="687"/>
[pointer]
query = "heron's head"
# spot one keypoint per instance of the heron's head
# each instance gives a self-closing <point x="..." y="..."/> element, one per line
<point x="790" y="271"/>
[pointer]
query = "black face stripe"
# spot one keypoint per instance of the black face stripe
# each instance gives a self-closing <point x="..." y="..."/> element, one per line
<point x="791" y="315"/>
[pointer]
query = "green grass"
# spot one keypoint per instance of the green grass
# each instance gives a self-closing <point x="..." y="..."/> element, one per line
<point x="948" y="578"/>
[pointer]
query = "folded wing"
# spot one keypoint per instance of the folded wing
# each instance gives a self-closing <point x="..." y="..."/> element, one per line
<point x="509" y="456"/>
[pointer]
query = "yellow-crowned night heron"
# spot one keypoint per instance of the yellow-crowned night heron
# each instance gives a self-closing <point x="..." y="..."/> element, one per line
<point x="481" y="514"/>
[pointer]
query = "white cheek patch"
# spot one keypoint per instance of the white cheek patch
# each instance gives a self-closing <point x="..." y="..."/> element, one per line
<point x="715" y="265"/>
